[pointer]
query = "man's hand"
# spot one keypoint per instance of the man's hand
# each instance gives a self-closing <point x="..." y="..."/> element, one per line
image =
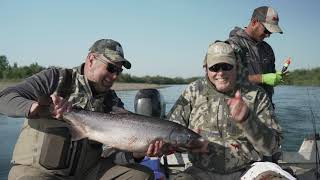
<point x="34" y="111"/>
<point x="272" y="79"/>
<point x="238" y="108"/>
<point x="154" y="150"/>
<point x="59" y="106"/>
<point x="53" y="106"/>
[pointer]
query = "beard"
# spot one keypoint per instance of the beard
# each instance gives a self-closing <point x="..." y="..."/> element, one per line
<point x="98" y="88"/>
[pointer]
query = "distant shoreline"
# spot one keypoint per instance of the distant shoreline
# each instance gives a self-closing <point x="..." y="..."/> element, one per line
<point x="116" y="86"/>
<point x="135" y="86"/>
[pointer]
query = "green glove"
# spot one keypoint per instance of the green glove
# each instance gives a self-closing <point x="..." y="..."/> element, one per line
<point x="272" y="79"/>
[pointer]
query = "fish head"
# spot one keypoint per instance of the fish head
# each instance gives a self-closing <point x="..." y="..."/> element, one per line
<point x="183" y="139"/>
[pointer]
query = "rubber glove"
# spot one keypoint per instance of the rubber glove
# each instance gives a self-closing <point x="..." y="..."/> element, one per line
<point x="272" y="79"/>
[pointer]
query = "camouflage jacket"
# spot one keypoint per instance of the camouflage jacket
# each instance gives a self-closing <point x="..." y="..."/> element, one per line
<point x="256" y="57"/>
<point x="233" y="146"/>
<point x="81" y="96"/>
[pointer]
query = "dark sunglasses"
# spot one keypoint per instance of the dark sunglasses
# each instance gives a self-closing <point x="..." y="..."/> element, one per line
<point x="114" y="69"/>
<point x="223" y="66"/>
<point x="111" y="68"/>
<point x="266" y="31"/>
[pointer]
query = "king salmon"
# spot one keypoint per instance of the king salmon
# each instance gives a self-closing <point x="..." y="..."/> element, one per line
<point x="129" y="131"/>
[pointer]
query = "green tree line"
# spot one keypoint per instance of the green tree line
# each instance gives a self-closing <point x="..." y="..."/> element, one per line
<point x="303" y="77"/>
<point x="8" y="72"/>
<point x="154" y="79"/>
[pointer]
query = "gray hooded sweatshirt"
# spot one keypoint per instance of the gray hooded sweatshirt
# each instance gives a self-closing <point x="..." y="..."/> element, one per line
<point x="256" y="57"/>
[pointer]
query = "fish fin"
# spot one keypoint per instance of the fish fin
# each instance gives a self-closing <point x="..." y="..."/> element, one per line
<point x="77" y="132"/>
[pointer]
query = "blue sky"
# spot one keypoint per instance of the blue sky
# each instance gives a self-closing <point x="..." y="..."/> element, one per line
<point x="159" y="37"/>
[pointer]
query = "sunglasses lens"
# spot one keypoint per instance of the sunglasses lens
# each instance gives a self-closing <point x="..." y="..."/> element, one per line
<point x="227" y="67"/>
<point x="266" y="31"/>
<point x="114" y="69"/>
<point x="223" y="66"/>
<point x="214" y="68"/>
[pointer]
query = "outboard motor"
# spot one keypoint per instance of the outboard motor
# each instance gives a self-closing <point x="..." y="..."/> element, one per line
<point x="149" y="102"/>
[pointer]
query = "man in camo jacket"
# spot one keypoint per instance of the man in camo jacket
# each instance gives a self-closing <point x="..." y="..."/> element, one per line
<point x="237" y="120"/>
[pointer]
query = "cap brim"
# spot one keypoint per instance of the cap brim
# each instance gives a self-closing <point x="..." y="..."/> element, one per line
<point x="220" y="59"/>
<point x="273" y="28"/>
<point x="118" y="58"/>
<point x="125" y="63"/>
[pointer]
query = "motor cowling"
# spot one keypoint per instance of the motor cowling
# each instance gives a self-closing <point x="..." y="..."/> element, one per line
<point x="149" y="102"/>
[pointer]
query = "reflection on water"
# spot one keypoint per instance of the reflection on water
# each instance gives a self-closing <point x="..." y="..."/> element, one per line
<point x="293" y="108"/>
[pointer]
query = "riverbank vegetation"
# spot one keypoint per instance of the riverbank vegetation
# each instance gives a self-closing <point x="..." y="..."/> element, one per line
<point x="10" y="73"/>
<point x="304" y="77"/>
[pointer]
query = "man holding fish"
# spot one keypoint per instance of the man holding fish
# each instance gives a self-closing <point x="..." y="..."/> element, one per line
<point x="44" y="149"/>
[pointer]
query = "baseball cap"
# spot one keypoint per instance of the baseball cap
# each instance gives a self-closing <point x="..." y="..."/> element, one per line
<point x="220" y="52"/>
<point x="110" y="49"/>
<point x="268" y="17"/>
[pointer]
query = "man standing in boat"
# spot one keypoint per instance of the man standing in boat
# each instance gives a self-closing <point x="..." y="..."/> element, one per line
<point x="237" y="119"/>
<point x="257" y="63"/>
<point x="44" y="149"/>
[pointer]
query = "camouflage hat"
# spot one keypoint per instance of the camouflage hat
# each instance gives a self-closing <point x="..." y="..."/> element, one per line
<point x="268" y="17"/>
<point x="220" y="52"/>
<point x="111" y="50"/>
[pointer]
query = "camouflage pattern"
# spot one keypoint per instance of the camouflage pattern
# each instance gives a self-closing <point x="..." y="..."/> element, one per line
<point x="255" y="57"/>
<point x="220" y="52"/>
<point x="110" y="49"/>
<point x="233" y="146"/>
<point x="82" y="96"/>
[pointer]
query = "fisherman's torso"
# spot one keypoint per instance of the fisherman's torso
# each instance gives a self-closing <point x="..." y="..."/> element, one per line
<point x="257" y="57"/>
<point x="229" y="149"/>
<point x="46" y="143"/>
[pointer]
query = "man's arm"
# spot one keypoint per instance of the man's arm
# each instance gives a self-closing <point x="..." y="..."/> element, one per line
<point x="17" y="101"/>
<point x="255" y="78"/>
<point x="180" y="112"/>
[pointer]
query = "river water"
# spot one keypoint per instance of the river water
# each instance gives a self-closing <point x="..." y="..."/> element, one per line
<point x="295" y="109"/>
